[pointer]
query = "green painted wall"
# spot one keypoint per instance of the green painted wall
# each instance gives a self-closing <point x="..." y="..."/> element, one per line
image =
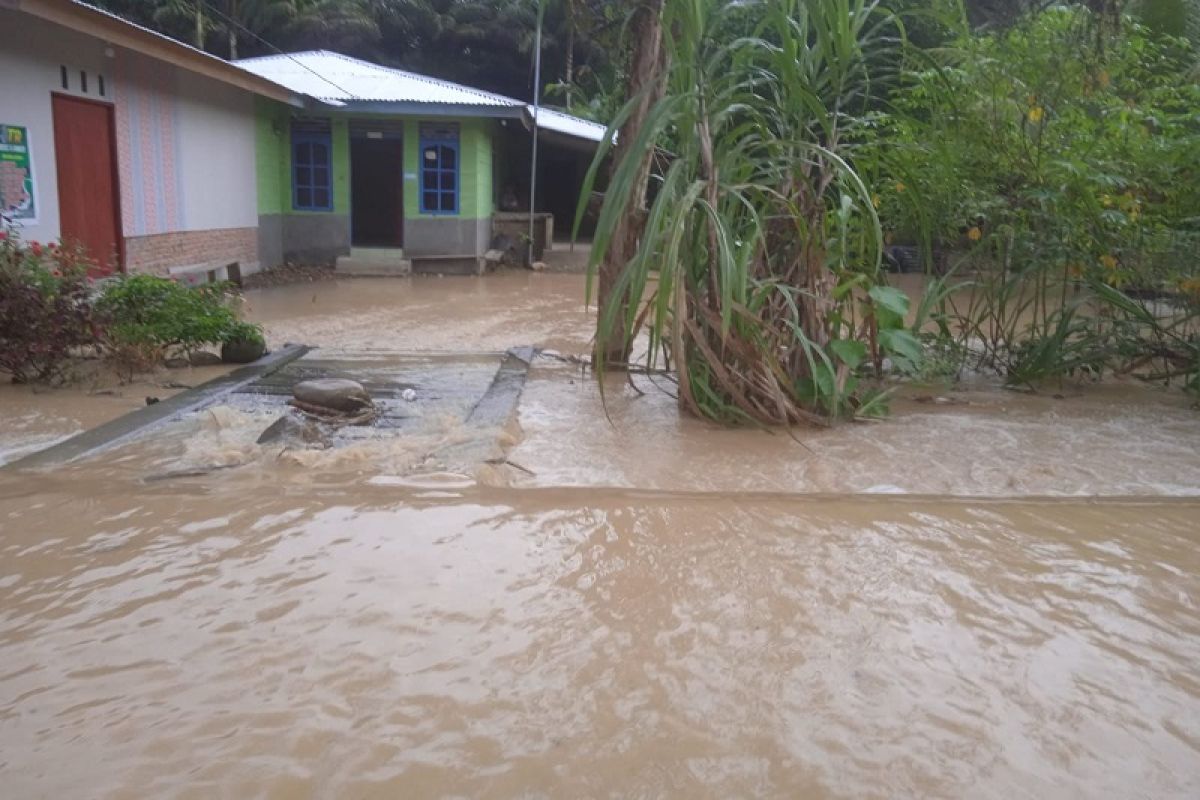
<point x="475" y="169"/>
<point x="270" y="134"/>
<point x="273" y="137"/>
<point x="273" y="140"/>
<point x="476" y="177"/>
<point x="341" y="166"/>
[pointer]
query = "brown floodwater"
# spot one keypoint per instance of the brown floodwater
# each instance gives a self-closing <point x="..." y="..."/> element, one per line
<point x="989" y="595"/>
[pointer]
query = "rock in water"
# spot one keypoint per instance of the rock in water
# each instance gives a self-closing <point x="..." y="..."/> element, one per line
<point x="335" y="394"/>
<point x="290" y="431"/>
<point x="203" y="358"/>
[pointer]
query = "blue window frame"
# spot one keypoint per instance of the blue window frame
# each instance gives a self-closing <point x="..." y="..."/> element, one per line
<point x="312" y="181"/>
<point x="439" y="169"/>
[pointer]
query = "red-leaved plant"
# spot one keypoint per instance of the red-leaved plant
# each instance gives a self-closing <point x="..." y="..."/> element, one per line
<point x="46" y="310"/>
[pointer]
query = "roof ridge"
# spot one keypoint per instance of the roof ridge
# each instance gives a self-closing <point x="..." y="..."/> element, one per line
<point x="420" y="77"/>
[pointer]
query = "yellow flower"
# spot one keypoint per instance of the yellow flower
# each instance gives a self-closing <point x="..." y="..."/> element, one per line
<point x="1106" y="200"/>
<point x="1108" y="262"/>
<point x="1035" y="114"/>
<point x="875" y="200"/>
<point x="899" y="186"/>
<point x="975" y="234"/>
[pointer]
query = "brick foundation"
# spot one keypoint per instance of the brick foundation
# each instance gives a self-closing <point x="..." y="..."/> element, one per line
<point x="156" y="254"/>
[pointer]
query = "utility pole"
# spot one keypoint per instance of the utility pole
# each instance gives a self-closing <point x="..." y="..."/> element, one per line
<point x="537" y="103"/>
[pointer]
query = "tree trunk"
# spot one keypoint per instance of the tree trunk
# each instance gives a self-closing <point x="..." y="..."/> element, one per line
<point x="647" y="74"/>
<point x="199" y="26"/>
<point x="569" y="68"/>
<point x="232" y="44"/>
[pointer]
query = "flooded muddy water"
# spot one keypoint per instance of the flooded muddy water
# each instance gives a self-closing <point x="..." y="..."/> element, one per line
<point x="990" y="595"/>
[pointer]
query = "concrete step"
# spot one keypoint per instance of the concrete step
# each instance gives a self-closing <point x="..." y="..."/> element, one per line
<point x="448" y="265"/>
<point x="374" y="265"/>
<point x="377" y="253"/>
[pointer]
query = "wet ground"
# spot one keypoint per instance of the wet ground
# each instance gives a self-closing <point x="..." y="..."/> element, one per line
<point x="994" y="595"/>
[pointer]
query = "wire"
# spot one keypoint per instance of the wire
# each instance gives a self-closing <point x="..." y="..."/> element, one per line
<point x="244" y="29"/>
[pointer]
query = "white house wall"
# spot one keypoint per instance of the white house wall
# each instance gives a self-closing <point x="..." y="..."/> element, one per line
<point x="185" y="145"/>
<point x="217" y="151"/>
<point x="32" y="53"/>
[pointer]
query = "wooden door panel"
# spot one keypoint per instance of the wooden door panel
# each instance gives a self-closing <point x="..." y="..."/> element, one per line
<point x="88" y="202"/>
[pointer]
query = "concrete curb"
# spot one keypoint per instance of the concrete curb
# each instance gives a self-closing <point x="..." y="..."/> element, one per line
<point x="500" y="400"/>
<point x="138" y="422"/>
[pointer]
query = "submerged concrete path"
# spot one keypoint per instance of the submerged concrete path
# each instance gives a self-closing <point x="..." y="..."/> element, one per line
<point x="138" y="422"/>
<point x="490" y="398"/>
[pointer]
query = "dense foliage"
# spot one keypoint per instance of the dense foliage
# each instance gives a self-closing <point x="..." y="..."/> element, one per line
<point x="46" y="313"/>
<point x="1050" y="164"/>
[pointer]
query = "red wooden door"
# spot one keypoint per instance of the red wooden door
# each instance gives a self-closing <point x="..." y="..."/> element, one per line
<point x="88" y="205"/>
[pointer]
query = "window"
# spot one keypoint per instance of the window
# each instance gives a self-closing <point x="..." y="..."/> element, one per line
<point x="439" y="169"/>
<point x="312" y="184"/>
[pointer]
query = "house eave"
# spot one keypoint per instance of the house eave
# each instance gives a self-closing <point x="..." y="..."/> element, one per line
<point x="118" y="32"/>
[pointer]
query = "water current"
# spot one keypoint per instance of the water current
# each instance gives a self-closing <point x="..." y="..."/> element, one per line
<point x="989" y="595"/>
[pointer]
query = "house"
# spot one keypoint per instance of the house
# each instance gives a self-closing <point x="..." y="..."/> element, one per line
<point x="134" y="145"/>
<point x="158" y="157"/>
<point x="387" y="163"/>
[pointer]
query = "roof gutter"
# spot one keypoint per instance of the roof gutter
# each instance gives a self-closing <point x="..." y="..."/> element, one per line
<point x="116" y="31"/>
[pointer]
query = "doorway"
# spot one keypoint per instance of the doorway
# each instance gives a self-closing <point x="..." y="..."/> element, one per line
<point x="376" y="192"/>
<point x="85" y="155"/>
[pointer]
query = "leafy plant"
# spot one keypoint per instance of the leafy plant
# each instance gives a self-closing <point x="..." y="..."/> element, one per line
<point x="46" y="311"/>
<point x="150" y="315"/>
<point x="1057" y="159"/>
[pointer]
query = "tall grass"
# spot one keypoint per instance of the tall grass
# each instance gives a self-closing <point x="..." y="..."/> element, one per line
<point x="757" y="275"/>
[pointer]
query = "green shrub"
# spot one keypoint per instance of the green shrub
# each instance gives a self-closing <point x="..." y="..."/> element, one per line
<point x="46" y="312"/>
<point x="158" y="314"/>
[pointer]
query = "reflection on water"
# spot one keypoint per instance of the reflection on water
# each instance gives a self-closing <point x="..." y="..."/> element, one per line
<point x="658" y="608"/>
<point x="371" y="642"/>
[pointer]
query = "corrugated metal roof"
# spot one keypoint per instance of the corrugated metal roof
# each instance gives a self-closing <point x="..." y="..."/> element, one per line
<point x="326" y="75"/>
<point x="557" y="121"/>
<point x="337" y="79"/>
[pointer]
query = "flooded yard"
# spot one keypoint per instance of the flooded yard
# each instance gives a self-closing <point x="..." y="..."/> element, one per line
<point x="989" y="595"/>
